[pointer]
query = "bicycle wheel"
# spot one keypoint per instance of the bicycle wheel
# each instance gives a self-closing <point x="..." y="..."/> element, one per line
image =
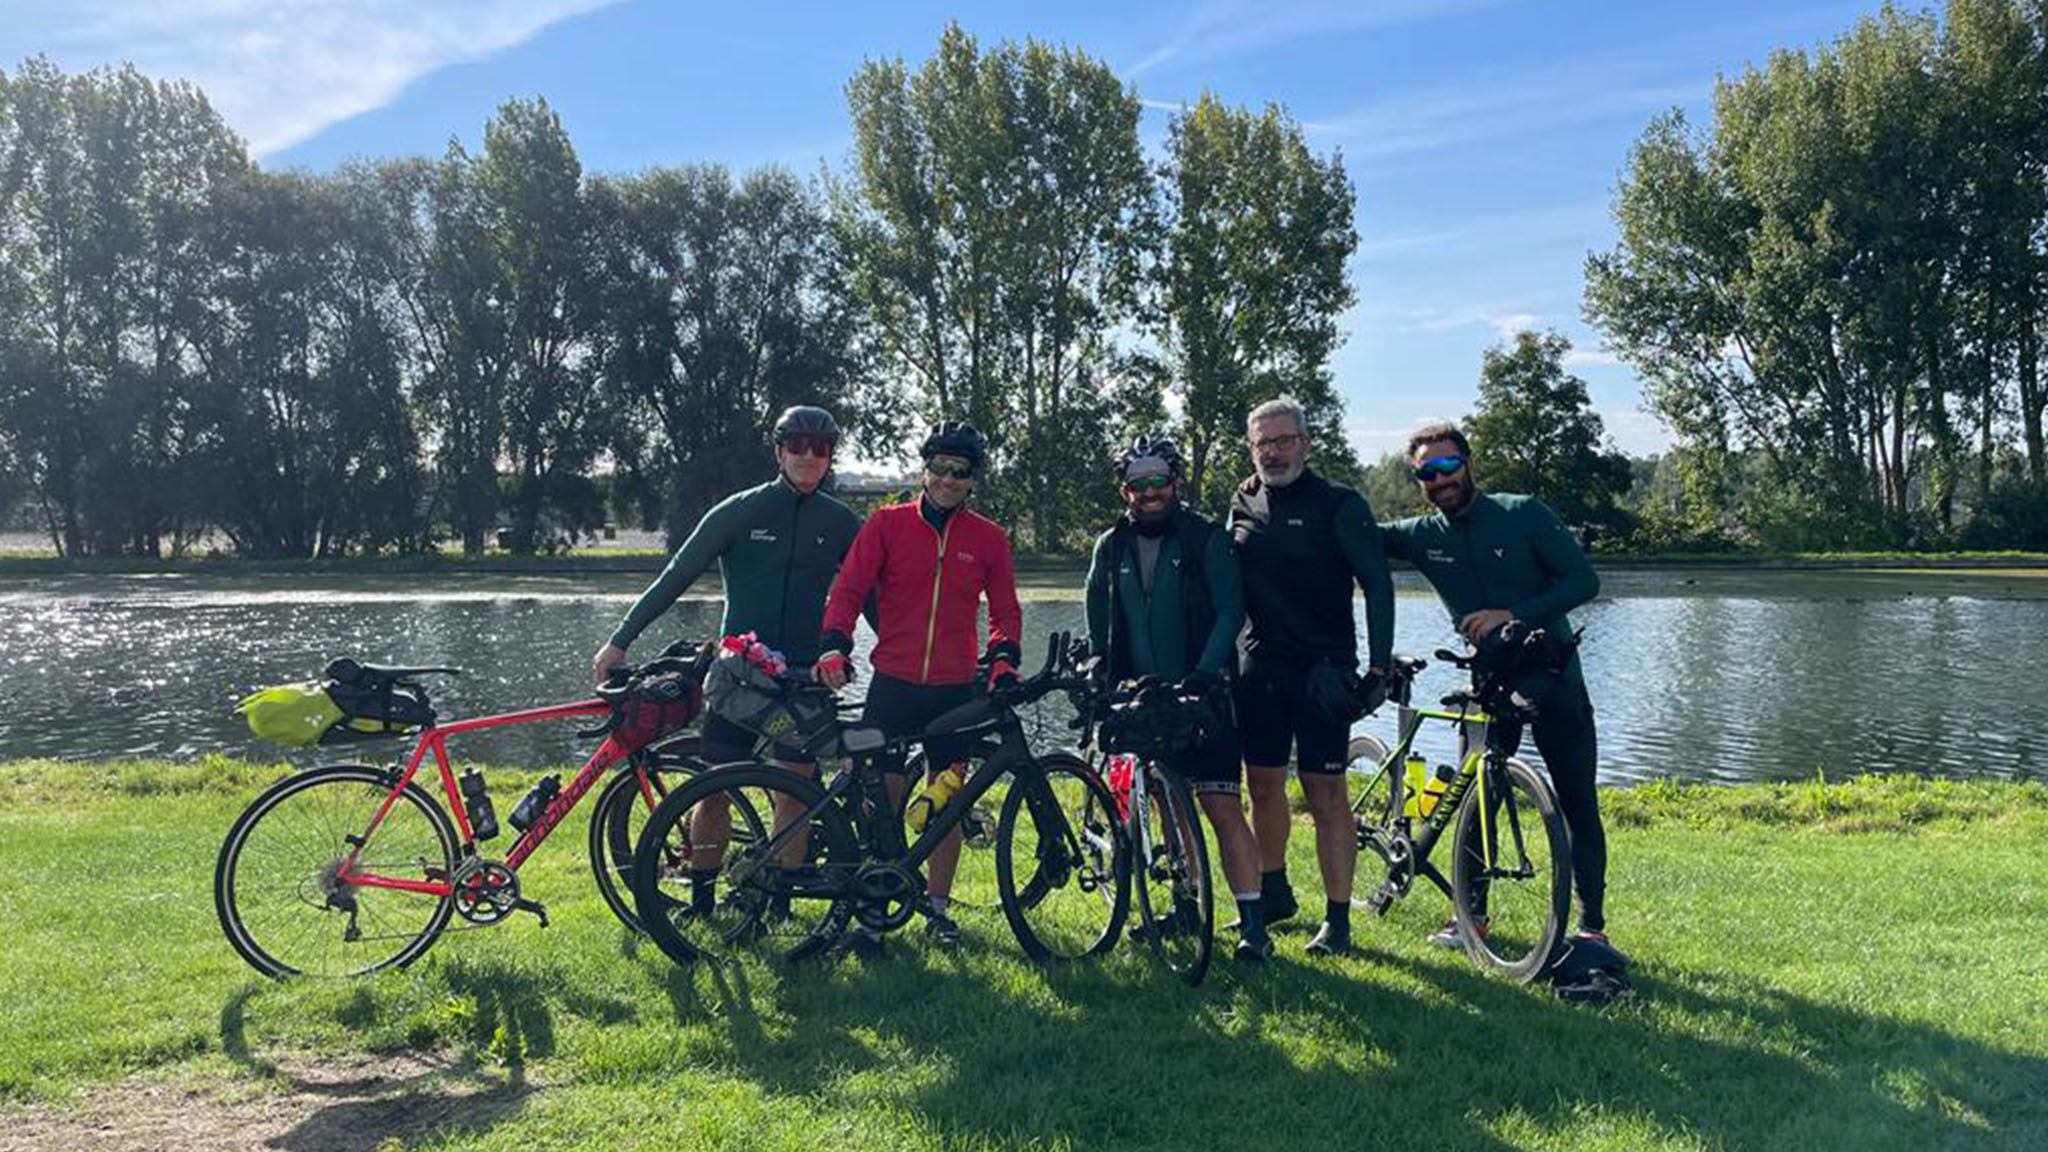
<point x="1511" y="872"/>
<point x="621" y="811"/>
<point x="1379" y="825"/>
<point x="1061" y="869"/>
<point x="1176" y="905"/>
<point x="770" y="895"/>
<point x="275" y="888"/>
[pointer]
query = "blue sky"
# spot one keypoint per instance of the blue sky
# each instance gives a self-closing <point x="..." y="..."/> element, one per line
<point x="1484" y="137"/>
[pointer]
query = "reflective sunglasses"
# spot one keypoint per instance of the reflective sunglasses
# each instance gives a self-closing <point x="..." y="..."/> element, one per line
<point x="951" y="471"/>
<point x="1149" y="483"/>
<point x="1437" y="466"/>
<point x="808" y="446"/>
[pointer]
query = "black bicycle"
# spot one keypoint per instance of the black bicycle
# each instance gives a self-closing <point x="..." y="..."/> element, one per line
<point x="836" y="855"/>
<point x="1143" y="726"/>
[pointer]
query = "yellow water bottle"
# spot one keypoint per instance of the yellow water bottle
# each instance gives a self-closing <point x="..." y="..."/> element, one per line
<point x="1416" y="769"/>
<point x="1435" y="789"/>
<point x="934" y="797"/>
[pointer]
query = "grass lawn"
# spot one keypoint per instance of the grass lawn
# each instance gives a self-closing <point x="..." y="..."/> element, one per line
<point x="1850" y="966"/>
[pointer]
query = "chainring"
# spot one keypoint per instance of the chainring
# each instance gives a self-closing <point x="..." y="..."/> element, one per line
<point x="485" y="891"/>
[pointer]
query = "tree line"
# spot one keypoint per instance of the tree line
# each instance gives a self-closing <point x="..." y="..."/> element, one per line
<point x="496" y="344"/>
<point x="1835" y="293"/>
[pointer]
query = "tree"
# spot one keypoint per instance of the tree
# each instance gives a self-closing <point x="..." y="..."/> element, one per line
<point x="995" y="219"/>
<point x="720" y="304"/>
<point x="1251" y="281"/>
<point x="1535" y="431"/>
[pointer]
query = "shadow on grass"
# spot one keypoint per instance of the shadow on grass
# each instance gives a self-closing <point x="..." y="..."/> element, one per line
<point x="977" y="1048"/>
<point x="1120" y="1056"/>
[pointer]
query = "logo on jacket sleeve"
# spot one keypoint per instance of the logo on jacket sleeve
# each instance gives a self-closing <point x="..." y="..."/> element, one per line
<point x="1438" y="556"/>
<point x="762" y="534"/>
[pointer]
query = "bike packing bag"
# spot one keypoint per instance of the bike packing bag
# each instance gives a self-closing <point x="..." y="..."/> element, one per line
<point x="750" y="698"/>
<point x="330" y="712"/>
<point x="1157" y="727"/>
<point x="659" y="703"/>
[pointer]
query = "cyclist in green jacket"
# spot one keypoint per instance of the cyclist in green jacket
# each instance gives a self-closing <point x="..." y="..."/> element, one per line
<point x="1165" y="600"/>
<point x="1494" y="558"/>
<point x="777" y="547"/>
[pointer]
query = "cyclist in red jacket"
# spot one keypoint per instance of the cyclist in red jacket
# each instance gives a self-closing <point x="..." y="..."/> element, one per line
<point x="928" y="562"/>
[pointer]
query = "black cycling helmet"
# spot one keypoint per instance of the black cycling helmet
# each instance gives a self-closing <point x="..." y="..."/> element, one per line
<point x="955" y="438"/>
<point x="1144" y="447"/>
<point x="805" y="420"/>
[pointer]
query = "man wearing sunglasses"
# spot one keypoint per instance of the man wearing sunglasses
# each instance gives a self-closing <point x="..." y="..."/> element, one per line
<point x="1164" y="600"/>
<point x="1493" y="558"/>
<point x="1302" y="542"/>
<point x="777" y="547"/>
<point x="928" y="563"/>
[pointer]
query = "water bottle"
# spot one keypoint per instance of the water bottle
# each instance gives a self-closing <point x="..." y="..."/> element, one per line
<point x="476" y="802"/>
<point x="1434" y="790"/>
<point x="529" y="811"/>
<point x="934" y="797"/>
<point x="1416" y="771"/>
<point x="1121" y="766"/>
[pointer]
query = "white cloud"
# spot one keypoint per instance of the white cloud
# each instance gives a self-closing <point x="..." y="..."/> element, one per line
<point x="281" y="70"/>
<point x="1595" y="356"/>
<point x="1508" y="326"/>
<point x="1223" y="28"/>
<point x="1635" y="431"/>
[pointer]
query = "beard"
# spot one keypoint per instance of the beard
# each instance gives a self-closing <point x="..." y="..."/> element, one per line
<point x="1457" y="498"/>
<point x="1281" y="475"/>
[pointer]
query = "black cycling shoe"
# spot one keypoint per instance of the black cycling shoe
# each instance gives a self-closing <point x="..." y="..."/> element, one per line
<point x="858" y="941"/>
<point x="1332" y="939"/>
<point x="1253" y="949"/>
<point x="940" y="929"/>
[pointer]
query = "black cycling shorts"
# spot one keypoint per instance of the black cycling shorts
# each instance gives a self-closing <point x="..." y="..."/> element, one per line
<point x="1215" y="765"/>
<point x="900" y="708"/>
<point x="1275" y="717"/>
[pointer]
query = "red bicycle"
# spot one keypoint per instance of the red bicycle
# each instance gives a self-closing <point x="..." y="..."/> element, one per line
<point x="349" y="868"/>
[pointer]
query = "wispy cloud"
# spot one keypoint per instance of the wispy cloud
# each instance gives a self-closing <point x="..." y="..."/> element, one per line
<point x="1461" y="114"/>
<point x="1513" y="324"/>
<point x="1223" y="28"/>
<point x="281" y="70"/>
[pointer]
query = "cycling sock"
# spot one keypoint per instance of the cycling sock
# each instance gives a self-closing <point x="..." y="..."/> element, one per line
<point x="937" y="904"/>
<point x="703" y="890"/>
<point x="1251" y="920"/>
<point x="1337" y="912"/>
<point x="1273" y="881"/>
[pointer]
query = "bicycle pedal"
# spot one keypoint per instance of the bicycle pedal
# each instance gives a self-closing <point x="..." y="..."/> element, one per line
<point x="534" y="906"/>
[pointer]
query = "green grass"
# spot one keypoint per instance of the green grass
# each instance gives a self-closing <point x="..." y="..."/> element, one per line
<point x="1820" y="965"/>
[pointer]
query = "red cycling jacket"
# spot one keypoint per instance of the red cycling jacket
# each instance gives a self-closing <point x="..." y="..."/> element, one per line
<point x="928" y="589"/>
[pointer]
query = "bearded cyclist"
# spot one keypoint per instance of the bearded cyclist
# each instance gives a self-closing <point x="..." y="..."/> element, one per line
<point x="1165" y="600"/>
<point x="777" y="547"/>
<point x="929" y="563"/>
<point x="1302" y="543"/>
<point x="1492" y="558"/>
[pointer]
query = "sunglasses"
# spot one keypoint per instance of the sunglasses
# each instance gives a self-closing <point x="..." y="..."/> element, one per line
<point x="1438" y="466"/>
<point x="1149" y="483"/>
<point x="951" y="471"/>
<point x="808" y="446"/>
<point x="1282" y="443"/>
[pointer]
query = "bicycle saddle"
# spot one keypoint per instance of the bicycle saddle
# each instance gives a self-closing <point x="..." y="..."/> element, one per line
<point x="349" y="671"/>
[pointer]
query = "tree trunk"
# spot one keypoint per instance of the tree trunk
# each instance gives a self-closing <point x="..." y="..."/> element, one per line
<point x="2031" y="399"/>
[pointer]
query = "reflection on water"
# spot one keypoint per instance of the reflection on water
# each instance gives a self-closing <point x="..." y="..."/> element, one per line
<point x="1730" y="677"/>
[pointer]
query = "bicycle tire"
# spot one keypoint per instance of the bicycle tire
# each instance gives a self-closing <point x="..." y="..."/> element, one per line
<point x="1169" y="851"/>
<point x="615" y="824"/>
<point x="1075" y="892"/>
<point x="1518" y="943"/>
<point x="263" y="846"/>
<point x="1370" y="789"/>
<point x="746" y="917"/>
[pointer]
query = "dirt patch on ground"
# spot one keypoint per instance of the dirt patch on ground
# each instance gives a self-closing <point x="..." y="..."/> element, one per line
<point x="354" y="1104"/>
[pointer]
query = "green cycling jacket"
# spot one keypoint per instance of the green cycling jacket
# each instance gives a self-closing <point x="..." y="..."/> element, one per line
<point x="777" y="550"/>
<point x="1157" y="633"/>
<point x="1504" y="551"/>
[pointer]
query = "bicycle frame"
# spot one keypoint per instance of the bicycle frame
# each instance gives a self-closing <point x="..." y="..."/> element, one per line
<point x="434" y="740"/>
<point x="1473" y="770"/>
<point x="883" y="834"/>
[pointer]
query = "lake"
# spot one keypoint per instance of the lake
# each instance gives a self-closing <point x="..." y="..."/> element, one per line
<point x="1704" y="675"/>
